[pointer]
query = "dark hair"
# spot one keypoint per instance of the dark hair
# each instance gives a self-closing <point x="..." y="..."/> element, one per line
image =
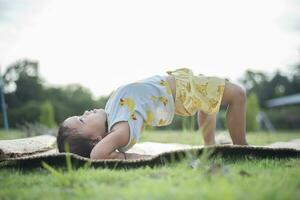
<point x="78" y="143"/>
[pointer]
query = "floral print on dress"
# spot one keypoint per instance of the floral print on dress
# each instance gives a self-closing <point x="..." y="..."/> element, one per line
<point x="146" y="102"/>
<point x="132" y="142"/>
<point x="166" y="85"/>
<point x="221" y="89"/>
<point x="129" y="102"/>
<point x="161" y="122"/>
<point x="197" y="92"/>
<point x="150" y="117"/>
<point x="202" y="88"/>
<point x="162" y="99"/>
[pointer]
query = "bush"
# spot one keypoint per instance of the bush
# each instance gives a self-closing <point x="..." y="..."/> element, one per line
<point x="221" y="119"/>
<point x="47" y="114"/>
<point x="34" y="129"/>
<point x="286" y="117"/>
<point x="189" y="123"/>
<point x="252" y="112"/>
<point x="29" y="112"/>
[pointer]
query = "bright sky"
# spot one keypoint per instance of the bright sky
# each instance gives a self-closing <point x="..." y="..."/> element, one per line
<point x="102" y="44"/>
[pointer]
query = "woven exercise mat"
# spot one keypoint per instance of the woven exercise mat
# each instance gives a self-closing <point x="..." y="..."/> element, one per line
<point x="26" y="146"/>
<point x="31" y="152"/>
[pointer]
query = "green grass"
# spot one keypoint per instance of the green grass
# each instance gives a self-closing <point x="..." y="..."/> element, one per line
<point x="257" y="138"/>
<point x="11" y="134"/>
<point x="194" y="137"/>
<point x="208" y="179"/>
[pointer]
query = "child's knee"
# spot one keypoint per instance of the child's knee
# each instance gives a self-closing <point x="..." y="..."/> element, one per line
<point x="240" y="94"/>
<point x="233" y="93"/>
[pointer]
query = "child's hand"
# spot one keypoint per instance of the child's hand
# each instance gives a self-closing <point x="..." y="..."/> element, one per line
<point x="105" y="149"/>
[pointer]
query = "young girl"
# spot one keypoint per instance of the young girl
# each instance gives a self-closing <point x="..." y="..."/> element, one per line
<point x="109" y="133"/>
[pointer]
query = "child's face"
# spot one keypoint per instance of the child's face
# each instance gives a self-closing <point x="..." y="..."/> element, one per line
<point x="90" y="124"/>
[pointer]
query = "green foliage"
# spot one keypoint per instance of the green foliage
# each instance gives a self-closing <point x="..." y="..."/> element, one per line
<point x="177" y="123"/>
<point x="47" y="114"/>
<point x="189" y="123"/>
<point x="252" y="112"/>
<point x="65" y="179"/>
<point x="72" y="100"/>
<point x="257" y="82"/>
<point x="11" y="134"/>
<point x="267" y="86"/>
<point x="22" y="83"/>
<point x="219" y="178"/>
<point x="285" y="117"/>
<point x="28" y="112"/>
<point x="221" y="119"/>
<point x="25" y="95"/>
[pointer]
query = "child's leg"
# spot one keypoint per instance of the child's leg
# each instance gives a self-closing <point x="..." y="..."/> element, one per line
<point x="235" y="97"/>
<point x="207" y="126"/>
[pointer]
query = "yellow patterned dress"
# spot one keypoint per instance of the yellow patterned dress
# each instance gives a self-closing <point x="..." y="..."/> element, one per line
<point x="148" y="101"/>
<point x="197" y="92"/>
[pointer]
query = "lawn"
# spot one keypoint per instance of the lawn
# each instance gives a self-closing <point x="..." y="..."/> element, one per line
<point x="189" y="179"/>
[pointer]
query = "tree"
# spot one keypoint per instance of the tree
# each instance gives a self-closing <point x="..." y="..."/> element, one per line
<point x="29" y="112"/>
<point x="252" y="112"/>
<point x="22" y="83"/>
<point x="47" y="114"/>
<point x="267" y="87"/>
<point x="72" y="100"/>
<point x="257" y="82"/>
<point x="282" y="86"/>
<point x="296" y="79"/>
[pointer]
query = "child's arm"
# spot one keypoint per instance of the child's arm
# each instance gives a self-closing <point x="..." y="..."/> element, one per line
<point x="207" y="126"/>
<point x="105" y="149"/>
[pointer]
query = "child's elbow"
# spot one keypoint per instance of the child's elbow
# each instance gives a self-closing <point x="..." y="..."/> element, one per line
<point x="94" y="155"/>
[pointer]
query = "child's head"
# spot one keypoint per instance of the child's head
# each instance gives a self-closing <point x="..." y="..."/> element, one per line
<point x="83" y="132"/>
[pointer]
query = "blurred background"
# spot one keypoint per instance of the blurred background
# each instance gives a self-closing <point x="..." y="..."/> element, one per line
<point x="59" y="58"/>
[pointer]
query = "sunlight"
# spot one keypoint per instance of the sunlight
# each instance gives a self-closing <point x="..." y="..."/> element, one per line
<point x="102" y="44"/>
